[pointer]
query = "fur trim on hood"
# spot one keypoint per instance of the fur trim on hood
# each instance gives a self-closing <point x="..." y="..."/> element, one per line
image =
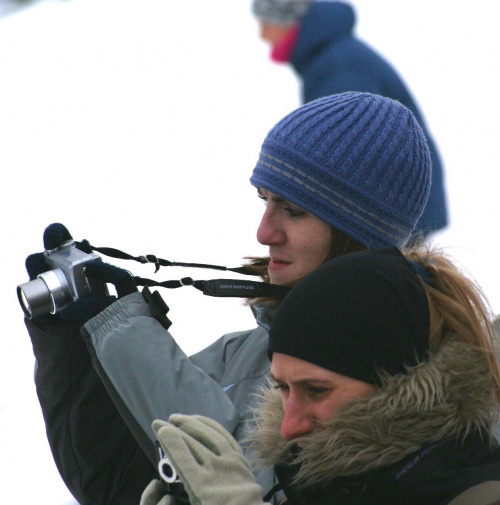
<point x="449" y="394"/>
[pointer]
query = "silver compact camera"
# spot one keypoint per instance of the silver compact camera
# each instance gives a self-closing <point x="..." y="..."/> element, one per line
<point x="66" y="282"/>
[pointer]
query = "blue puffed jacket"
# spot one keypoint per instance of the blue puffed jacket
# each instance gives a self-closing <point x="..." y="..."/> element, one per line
<point x="330" y="59"/>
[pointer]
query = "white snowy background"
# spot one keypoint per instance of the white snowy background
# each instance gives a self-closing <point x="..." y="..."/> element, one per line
<point x="137" y="123"/>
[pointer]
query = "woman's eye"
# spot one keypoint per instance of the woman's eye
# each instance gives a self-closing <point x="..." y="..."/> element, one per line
<point x="281" y="387"/>
<point x="317" y="392"/>
<point x="293" y="212"/>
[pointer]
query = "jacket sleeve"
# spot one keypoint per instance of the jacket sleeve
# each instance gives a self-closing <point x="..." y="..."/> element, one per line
<point x="96" y="454"/>
<point x="148" y="375"/>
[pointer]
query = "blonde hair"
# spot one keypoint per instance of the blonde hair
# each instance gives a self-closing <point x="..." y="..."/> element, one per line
<point x="457" y="306"/>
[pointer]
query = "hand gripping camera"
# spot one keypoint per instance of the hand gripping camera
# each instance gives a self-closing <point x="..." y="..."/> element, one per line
<point x="66" y="282"/>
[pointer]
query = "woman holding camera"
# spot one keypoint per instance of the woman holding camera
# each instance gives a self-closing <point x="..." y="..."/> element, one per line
<point x="340" y="174"/>
<point x="385" y="389"/>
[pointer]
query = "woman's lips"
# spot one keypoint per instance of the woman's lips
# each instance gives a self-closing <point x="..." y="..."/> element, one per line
<point x="277" y="264"/>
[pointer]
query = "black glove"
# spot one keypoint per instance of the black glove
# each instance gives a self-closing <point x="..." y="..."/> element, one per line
<point x="87" y="308"/>
<point x="54" y="236"/>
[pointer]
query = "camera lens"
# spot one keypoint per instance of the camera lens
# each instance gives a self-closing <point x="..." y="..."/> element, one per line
<point x="50" y="292"/>
<point x="35" y="298"/>
<point x="25" y="304"/>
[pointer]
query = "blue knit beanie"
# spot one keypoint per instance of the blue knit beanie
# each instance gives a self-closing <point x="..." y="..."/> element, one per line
<point x="357" y="161"/>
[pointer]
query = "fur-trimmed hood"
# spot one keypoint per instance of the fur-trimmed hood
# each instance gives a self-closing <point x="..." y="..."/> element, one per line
<point x="448" y="395"/>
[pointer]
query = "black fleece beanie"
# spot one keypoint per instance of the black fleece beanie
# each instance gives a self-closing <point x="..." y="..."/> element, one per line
<point x="356" y="315"/>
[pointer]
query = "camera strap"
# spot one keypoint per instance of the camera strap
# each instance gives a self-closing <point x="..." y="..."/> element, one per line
<point x="222" y="287"/>
<point x="159" y="262"/>
<point x="216" y="287"/>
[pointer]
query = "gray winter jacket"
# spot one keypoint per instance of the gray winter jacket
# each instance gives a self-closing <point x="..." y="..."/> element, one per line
<point x="150" y="377"/>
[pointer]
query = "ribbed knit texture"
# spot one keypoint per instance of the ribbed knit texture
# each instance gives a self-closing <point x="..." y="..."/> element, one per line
<point x="280" y="12"/>
<point x="358" y="161"/>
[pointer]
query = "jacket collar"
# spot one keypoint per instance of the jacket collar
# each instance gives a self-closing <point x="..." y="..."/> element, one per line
<point x="263" y="315"/>
<point x="448" y="395"/>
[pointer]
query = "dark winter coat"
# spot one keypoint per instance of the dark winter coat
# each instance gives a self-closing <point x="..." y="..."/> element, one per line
<point x="329" y="59"/>
<point x="92" y="393"/>
<point x="423" y="439"/>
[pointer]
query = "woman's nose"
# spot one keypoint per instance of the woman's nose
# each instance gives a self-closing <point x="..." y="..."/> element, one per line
<point x="270" y="231"/>
<point x="296" y="421"/>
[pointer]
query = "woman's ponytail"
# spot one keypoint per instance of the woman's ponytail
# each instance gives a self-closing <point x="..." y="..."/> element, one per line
<point x="457" y="306"/>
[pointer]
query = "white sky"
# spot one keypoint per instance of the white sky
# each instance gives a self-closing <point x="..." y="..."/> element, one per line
<point x="137" y="124"/>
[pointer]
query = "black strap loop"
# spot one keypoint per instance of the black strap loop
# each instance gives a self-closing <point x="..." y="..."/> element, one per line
<point x="158" y="307"/>
<point x="159" y="262"/>
<point x="141" y="281"/>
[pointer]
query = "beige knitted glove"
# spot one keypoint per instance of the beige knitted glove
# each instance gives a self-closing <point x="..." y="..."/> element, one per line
<point x="208" y="460"/>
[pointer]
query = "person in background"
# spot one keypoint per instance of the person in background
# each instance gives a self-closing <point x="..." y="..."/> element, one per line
<point x="385" y="389"/>
<point x="340" y="174"/>
<point x="317" y="39"/>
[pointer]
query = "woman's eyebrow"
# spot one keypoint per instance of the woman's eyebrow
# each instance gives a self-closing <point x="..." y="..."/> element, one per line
<point x="274" y="198"/>
<point x="302" y="381"/>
